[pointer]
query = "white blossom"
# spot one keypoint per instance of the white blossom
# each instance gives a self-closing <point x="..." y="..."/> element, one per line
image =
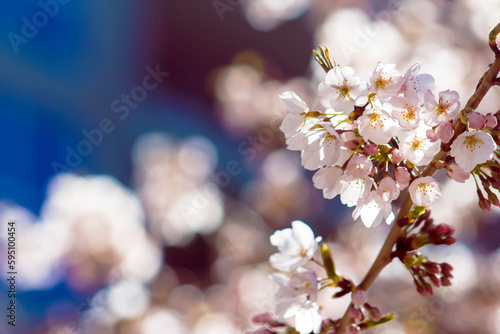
<point x="296" y="299"/>
<point x="373" y="210"/>
<point x="385" y="81"/>
<point x="340" y="89"/>
<point x="376" y="125"/>
<point x="359" y="166"/>
<point x="472" y="148"/>
<point x="296" y="115"/>
<point x="416" y="147"/>
<point x="424" y="191"/>
<point x="440" y="111"/>
<point x="406" y="111"/>
<point x="323" y="146"/>
<point x="352" y="190"/>
<point x="296" y="246"/>
<point x="328" y="179"/>
<point x="416" y="85"/>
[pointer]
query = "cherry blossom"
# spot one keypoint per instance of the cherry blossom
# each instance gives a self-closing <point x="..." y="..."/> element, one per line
<point x="296" y="115"/>
<point x="376" y="125"/>
<point x="440" y="111"/>
<point x="416" y="147"/>
<point x="472" y="148"/>
<point x="373" y="210"/>
<point x="353" y="190"/>
<point x="328" y="179"/>
<point x="323" y="147"/>
<point x="416" y="85"/>
<point x="406" y="111"/>
<point x="388" y="189"/>
<point x="359" y="166"/>
<point x="385" y="81"/>
<point x="296" y="299"/>
<point x="340" y="89"/>
<point x="424" y="191"/>
<point x="296" y="246"/>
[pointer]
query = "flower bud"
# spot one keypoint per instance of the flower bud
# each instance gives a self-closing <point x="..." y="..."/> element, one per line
<point x="396" y="156"/>
<point x="445" y="281"/>
<point x="446" y="269"/>
<point x="371" y="149"/>
<point x="355" y="312"/>
<point x="445" y="132"/>
<point x="353" y="329"/>
<point x="402" y="177"/>
<point x="435" y="280"/>
<point x="374" y="312"/>
<point x="456" y="173"/>
<point x="358" y="297"/>
<point x="476" y="120"/>
<point x="491" y="121"/>
<point x="432" y="267"/>
<point x="431" y="135"/>
<point x="484" y="204"/>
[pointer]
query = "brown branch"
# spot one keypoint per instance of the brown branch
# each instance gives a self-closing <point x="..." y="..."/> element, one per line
<point x="384" y="256"/>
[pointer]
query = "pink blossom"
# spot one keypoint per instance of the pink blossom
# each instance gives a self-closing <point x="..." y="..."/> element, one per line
<point x="476" y="120"/>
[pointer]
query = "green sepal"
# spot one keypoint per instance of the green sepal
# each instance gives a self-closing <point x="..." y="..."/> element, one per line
<point x="417" y="212"/>
<point x="370" y="323"/>
<point x="328" y="263"/>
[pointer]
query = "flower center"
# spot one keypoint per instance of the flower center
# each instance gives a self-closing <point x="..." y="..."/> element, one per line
<point x="471" y="142"/>
<point x="425" y="188"/>
<point x="442" y="107"/>
<point x="380" y="82"/>
<point x="344" y="91"/>
<point x="417" y="143"/>
<point x="411" y="113"/>
<point x="376" y="119"/>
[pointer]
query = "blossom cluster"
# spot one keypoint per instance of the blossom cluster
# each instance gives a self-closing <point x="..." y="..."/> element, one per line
<point x="373" y="136"/>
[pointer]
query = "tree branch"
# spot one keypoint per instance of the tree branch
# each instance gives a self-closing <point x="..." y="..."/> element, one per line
<point x="384" y="256"/>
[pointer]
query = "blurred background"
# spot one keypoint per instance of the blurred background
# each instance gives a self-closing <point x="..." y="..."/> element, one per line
<point x="143" y="165"/>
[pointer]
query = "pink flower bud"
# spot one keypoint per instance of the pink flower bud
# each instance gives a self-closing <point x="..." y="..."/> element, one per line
<point x="431" y="135"/>
<point x="456" y="173"/>
<point x="371" y="149"/>
<point x="435" y="280"/>
<point x="353" y="329"/>
<point x="445" y="281"/>
<point x="446" y="269"/>
<point x="396" y="156"/>
<point x="358" y="297"/>
<point x="445" y="132"/>
<point x="402" y="177"/>
<point x="375" y="314"/>
<point x="432" y="267"/>
<point x="476" y="120"/>
<point x="355" y="312"/>
<point x="491" y="121"/>
<point x="359" y="166"/>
